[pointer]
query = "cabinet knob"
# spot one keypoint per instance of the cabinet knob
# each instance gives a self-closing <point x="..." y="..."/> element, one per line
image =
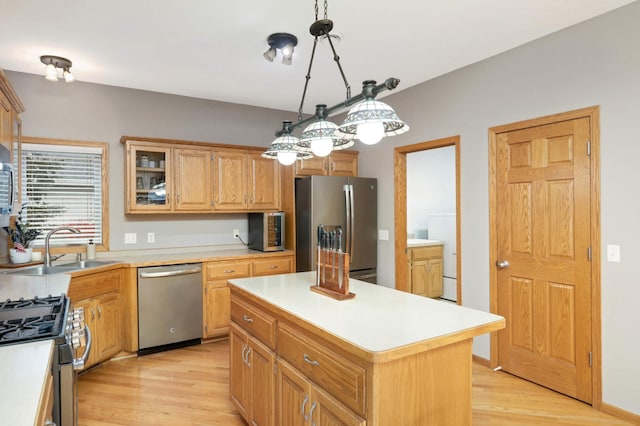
<point x="502" y="264"/>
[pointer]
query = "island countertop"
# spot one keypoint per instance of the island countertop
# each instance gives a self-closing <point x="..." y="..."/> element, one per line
<point x="378" y="320"/>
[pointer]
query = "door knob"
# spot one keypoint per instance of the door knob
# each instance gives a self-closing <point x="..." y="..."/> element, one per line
<point x="502" y="264"/>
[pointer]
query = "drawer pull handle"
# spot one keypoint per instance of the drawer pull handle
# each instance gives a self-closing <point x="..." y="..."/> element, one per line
<point x="309" y="360"/>
<point x="247" y="318"/>
<point x="273" y="267"/>
<point x="304" y="402"/>
<point x="229" y="271"/>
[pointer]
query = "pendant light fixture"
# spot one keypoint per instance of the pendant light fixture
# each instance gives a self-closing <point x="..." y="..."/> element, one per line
<point x="53" y="63"/>
<point x="369" y="120"/>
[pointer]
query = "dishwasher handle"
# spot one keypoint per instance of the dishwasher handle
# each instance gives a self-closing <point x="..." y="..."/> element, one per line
<point x="177" y="272"/>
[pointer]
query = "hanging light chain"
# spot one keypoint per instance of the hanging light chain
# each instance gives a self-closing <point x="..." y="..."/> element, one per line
<point x="326" y="7"/>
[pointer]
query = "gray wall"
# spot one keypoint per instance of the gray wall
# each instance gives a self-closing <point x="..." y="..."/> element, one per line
<point x="91" y="112"/>
<point x="593" y="63"/>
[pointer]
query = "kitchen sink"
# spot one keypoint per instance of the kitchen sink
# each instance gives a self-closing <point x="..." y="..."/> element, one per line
<point x="62" y="268"/>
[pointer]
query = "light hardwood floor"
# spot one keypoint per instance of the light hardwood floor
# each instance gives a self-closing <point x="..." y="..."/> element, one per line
<point x="189" y="386"/>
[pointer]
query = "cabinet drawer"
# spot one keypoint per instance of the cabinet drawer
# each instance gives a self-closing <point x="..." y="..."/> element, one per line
<point x="228" y="270"/>
<point x="91" y="285"/>
<point x="428" y="252"/>
<point x="272" y="266"/>
<point x="255" y="321"/>
<point x="340" y="377"/>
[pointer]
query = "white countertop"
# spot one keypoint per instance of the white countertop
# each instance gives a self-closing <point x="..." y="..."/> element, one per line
<point x="28" y="286"/>
<point x="418" y="242"/>
<point x="377" y="319"/>
<point x="24" y="369"/>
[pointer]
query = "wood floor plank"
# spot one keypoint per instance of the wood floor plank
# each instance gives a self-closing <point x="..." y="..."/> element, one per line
<point x="190" y="386"/>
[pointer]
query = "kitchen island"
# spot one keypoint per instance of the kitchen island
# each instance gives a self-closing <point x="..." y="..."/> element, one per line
<point x="385" y="357"/>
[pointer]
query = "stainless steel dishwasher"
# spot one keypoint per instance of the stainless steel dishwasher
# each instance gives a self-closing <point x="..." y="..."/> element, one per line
<point x="169" y="307"/>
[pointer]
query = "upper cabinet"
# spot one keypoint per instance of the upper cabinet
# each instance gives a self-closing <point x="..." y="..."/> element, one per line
<point x="338" y="163"/>
<point x="10" y="130"/>
<point x="165" y="176"/>
<point x="245" y="181"/>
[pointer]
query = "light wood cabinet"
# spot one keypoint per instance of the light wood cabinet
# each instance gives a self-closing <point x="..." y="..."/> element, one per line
<point x="163" y="179"/>
<point x="216" y="292"/>
<point x="425" y="270"/>
<point x="338" y="163"/>
<point x="99" y="295"/>
<point x="312" y="383"/>
<point x="192" y="184"/>
<point x="245" y="182"/>
<point x="253" y="378"/>
<point x="299" y="401"/>
<point x="45" y="408"/>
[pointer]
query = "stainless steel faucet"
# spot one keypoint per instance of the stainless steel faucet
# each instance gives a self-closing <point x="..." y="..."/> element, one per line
<point x="47" y="255"/>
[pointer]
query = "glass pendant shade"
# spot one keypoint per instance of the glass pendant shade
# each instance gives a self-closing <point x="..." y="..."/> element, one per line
<point x="285" y="150"/>
<point x="370" y="114"/>
<point x="68" y="77"/>
<point x="50" y="73"/>
<point x="320" y="138"/>
<point x="270" y="54"/>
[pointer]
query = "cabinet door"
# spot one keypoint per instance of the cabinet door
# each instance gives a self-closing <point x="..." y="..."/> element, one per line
<point x="292" y="396"/>
<point x="327" y="411"/>
<point x="343" y="164"/>
<point x="263" y="183"/>
<point x="419" y="277"/>
<point x="313" y="166"/>
<point x="6" y="128"/>
<point x="192" y="180"/>
<point x="90" y="321"/>
<point x="229" y="181"/>
<point x="216" y="309"/>
<point x="239" y="382"/>
<point x="434" y="279"/>
<point x="108" y="329"/>
<point x="261" y="364"/>
<point x="148" y="179"/>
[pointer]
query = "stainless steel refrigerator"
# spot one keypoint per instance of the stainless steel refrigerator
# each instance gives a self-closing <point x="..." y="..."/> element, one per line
<point x="349" y="203"/>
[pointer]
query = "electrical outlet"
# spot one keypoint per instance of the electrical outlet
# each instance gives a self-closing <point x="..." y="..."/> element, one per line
<point x="130" y="238"/>
<point x="236" y="233"/>
<point x="151" y="237"/>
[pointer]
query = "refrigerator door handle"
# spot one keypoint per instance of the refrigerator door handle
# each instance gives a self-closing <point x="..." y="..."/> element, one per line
<point x="353" y="223"/>
<point x="347" y="204"/>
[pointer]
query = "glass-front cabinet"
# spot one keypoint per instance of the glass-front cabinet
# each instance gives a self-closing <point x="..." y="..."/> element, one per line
<point x="149" y="174"/>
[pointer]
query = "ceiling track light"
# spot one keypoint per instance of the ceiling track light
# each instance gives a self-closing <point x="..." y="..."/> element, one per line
<point x="53" y="64"/>
<point x="285" y="42"/>
<point x="368" y="121"/>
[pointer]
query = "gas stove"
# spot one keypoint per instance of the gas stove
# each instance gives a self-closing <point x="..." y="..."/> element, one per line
<point x="32" y="319"/>
<point x="52" y="318"/>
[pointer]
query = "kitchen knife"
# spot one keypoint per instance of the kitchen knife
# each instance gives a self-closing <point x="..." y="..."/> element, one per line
<point x="340" y="255"/>
<point x="324" y="255"/>
<point x="320" y="233"/>
<point x="333" y="254"/>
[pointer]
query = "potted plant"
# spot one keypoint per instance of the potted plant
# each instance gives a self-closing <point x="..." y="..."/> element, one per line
<point x="21" y="236"/>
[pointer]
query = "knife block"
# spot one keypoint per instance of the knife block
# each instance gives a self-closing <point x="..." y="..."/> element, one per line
<point x="328" y="280"/>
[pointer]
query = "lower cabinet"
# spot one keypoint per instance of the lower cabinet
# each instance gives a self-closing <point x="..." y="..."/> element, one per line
<point x="216" y="293"/>
<point x="252" y="382"/>
<point x="45" y="409"/>
<point x="102" y="315"/>
<point x="425" y="270"/>
<point x="302" y="383"/>
<point x="299" y="401"/>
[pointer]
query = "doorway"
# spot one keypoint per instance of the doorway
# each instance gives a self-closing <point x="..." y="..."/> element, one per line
<point x="545" y="251"/>
<point x="412" y="216"/>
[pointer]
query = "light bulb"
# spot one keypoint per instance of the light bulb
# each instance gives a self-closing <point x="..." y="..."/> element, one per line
<point x="68" y="77"/>
<point x="287" y="158"/>
<point x="287" y="50"/>
<point x="321" y="147"/>
<point x="50" y="73"/>
<point x="370" y="133"/>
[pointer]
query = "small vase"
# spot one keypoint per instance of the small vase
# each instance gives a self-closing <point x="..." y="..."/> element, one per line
<point x="20" y="256"/>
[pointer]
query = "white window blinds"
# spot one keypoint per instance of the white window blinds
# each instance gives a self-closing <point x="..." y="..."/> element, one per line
<point x="62" y="186"/>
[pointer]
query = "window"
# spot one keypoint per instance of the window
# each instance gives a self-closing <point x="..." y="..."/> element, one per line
<point x="64" y="184"/>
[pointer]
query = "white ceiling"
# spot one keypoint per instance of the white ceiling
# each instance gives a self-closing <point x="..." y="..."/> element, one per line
<point x="212" y="49"/>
